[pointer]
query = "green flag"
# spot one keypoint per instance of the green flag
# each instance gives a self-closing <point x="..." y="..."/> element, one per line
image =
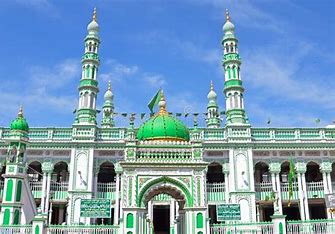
<point x="317" y="121"/>
<point x="154" y="101"/>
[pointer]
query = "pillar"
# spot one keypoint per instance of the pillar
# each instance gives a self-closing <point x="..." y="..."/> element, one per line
<point x="39" y="224"/>
<point x="44" y="189"/>
<point x="47" y="168"/>
<point x="279" y="224"/>
<point x="275" y="169"/>
<point x="225" y="171"/>
<point x="117" y="200"/>
<point x="303" y="199"/>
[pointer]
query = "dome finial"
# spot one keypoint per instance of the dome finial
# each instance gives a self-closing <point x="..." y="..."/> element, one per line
<point x="212" y="86"/>
<point x="20" y="114"/>
<point x="94" y="14"/>
<point x="227" y="15"/>
<point x="109" y="86"/>
<point x="162" y="104"/>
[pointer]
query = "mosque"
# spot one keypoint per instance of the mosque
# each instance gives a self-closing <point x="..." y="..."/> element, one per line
<point x="163" y="176"/>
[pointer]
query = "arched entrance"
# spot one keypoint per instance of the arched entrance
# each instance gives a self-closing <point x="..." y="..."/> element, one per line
<point x="164" y="204"/>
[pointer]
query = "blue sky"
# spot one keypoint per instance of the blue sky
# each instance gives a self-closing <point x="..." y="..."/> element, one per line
<point x="287" y="49"/>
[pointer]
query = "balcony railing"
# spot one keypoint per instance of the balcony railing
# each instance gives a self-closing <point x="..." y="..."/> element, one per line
<point x="264" y="191"/>
<point x="59" y="190"/>
<point x="106" y="190"/>
<point x="215" y="192"/>
<point x="315" y="189"/>
<point x="285" y="191"/>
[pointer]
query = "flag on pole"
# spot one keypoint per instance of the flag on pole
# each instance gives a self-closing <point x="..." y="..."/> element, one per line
<point x="269" y="120"/>
<point x="291" y="176"/>
<point x="154" y="101"/>
<point x="142" y="115"/>
<point x="317" y="121"/>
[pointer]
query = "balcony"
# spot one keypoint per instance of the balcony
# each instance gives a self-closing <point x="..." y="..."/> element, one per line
<point x="215" y="192"/>
<point x="106" y="190"/>
<point x="264" y="191"/>
<point x="58" y="190"/>
<point x="285" y="191"/>
<point x="315" y="189"/>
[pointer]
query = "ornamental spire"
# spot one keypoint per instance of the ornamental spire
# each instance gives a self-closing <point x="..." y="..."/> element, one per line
<point x="94" y="18"/>
<point x="109" y="86"/>
<point x="227" y="15"/>
<point x="162" y="104"/>
<point x="20" y="114"/>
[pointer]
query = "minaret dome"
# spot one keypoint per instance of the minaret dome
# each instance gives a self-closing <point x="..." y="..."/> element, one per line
<point x="228" y="26"/>
<point x="93" y="27"/>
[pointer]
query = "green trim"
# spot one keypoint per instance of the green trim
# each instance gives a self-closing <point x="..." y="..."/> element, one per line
<point x="200" y="220"/>
<point x="130" y="221"/>
<point x="16" y="217"/>
<point x="9" y="190"/>
<point x="18" y="191"/>
<point x="233" y="83"/>
<point x="6" y="217"/>
<point x="37" y="229"/>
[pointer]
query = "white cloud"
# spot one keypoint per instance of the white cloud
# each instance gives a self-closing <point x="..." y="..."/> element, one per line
<point x="121" y="73"/>
<point x="41" y="90"/>
<point x="155" y="81"/>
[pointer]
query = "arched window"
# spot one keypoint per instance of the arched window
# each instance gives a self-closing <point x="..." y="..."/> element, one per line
<point x="229" y="72"/>
<point x="88" y="71"/>
<point x="226" y="48"/>
<point x="238" y="73"/>
<point x="93" y="72"/>
<point x="86" y="99"/>
<point x="230" y="97"/>
<point x="214" y="173"/>
<point x="232" y="47"/>
<point x="235" y="100"/>
<point x="234" y="71"/>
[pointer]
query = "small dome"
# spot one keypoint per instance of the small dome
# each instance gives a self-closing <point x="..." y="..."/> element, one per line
<point x="228" y="26"/>
<point x="19" y="123"/>
<point x="93" y="26"/>
<point x="211" y="95"/>
<point x="163" y="126"/>
<point x="108" y="95"/>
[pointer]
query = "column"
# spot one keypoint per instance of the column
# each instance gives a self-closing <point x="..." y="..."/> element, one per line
<point x="330" y="185"/>
<point x="225" y="171"/>
<point x="44" y="184"/>
<point x="117" y="200"/>
<point x="47" y="201"/>
<point x="275" y="169"/>
<point x="304" y="186"/>
<point x="47" y="168"/>
<point x="301" y="198"/>
<point x="280" y="206"/>
<point x="326" y="168"/>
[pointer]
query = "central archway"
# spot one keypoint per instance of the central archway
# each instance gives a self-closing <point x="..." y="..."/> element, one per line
<point x="171" y="187"/>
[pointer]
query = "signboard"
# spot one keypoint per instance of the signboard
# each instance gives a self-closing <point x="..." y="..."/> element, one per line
<point x="95" y="208"/>
<point x="330" y="200"/>
<point x="228" y="212"/>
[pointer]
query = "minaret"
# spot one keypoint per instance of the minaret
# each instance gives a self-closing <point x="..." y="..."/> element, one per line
<point x="88" y="87"/>
<point x="233" y="88"/>
<point x="18" y="205"/>
<point x="108" y="109"/>
<point x="213" y="118"/>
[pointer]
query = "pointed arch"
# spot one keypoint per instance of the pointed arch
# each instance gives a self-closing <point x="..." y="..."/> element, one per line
<point x="165" y="180"/>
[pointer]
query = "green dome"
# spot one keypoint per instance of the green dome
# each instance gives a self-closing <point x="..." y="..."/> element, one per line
<point x="19" y="123"/>
<point x="163" y="127"/>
